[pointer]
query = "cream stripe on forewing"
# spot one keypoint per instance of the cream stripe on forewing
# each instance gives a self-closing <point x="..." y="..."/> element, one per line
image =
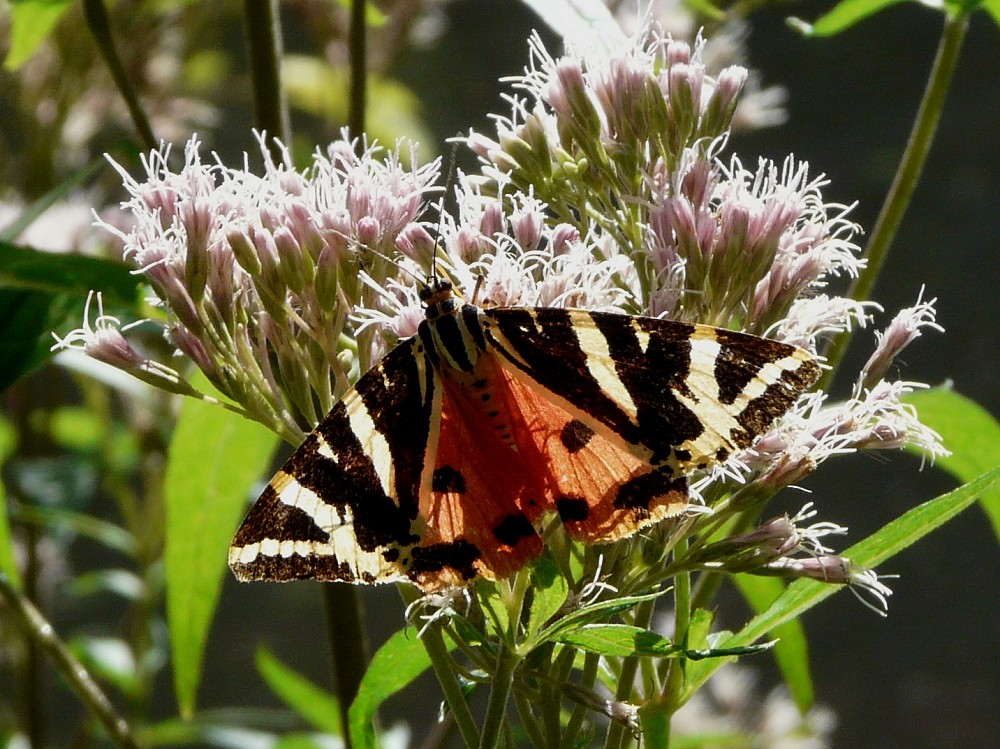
<point x="374" y="444"/>
<point x="326" y="516"/>
<point x="602" y="367"/>
<point x="719" y="421"/>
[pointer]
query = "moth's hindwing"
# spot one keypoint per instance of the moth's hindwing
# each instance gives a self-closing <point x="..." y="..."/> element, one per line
<point x="679" y="396"/>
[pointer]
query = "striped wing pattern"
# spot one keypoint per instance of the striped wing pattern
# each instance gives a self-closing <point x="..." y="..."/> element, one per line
<point x="442" y="462"/>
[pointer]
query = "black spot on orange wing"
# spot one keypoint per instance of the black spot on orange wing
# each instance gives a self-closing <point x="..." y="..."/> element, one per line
<point x="448" y="480"/>
<point x="513" y="528"/>
<point x="639" y="492"/>
<point x="459" y="556"/>
<point x="575" y="436"/>
<point x="572" y="509"/>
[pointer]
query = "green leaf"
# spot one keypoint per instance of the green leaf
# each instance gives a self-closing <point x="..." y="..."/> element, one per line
<point x="317" y="706"/>
<point x="26" y="334"/>
<point x="972" y="435"/>
<point x="892" y="538"/>
<point x="619" y="640"/>
<point x="373" y="16"/>
<point x="792" y="648"/>
<point x="587" y="614"/>
<point x="8" y="563"/>
<point x="843" y="15"/>
<point x="31" y="21"/>
<point x="398" y="662"/>
<point x="29" y="269"/>
<point x="62" y="520"/>
<point x="549" y="590"/>
<point x="214" y="459"/>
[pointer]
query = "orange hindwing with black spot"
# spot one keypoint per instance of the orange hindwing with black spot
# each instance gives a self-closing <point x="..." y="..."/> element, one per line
<point x="441" y="463"/>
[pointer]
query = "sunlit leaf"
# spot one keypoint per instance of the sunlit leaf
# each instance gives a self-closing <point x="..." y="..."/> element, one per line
<point x="970" y="432"/>
<point x="322" y="91"/>
<point x="792" y="649"/>
<point x="8" y="563"/>
<point x="843" y="15"/>
<point x="583" y="21"/>
<point x="549" y="590"/>
<point x="313" y="703"/>
<point x="215" y="457"/>
<point x="31" y="21"/>
<point x="889" y="540"/>
<point x="397" y="663"/>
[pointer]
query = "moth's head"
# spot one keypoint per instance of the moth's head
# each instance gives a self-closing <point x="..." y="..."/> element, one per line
<point x="439" y="297"/>
<point x="435" y="291"/>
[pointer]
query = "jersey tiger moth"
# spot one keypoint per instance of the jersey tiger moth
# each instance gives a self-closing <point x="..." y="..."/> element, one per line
<point x="440" y="463"/>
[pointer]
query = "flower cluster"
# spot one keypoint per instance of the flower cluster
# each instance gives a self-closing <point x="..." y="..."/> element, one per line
<point x="259" y="275"/>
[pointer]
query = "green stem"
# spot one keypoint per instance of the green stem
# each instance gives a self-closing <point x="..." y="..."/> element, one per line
<point x="264" y="45"/>
<point x="96" y="16"/>
<point x="41" y="632"/>
<point x="437" y="651"/>
<point x="907" y="175"/>
<point x="496" y="708"/>
<point x="357" y="43"/>
<point x="348" y="645"/>
<point x="623" y="693"/>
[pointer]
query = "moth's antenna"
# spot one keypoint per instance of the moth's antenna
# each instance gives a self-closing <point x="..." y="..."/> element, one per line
<point x="449" y="183"/>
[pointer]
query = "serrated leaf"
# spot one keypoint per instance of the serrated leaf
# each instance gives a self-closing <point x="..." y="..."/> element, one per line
<point x="31" y="21"/>
<point x="970" y="432"/>
<point x="792" y="649"/>
<point x="892" y="538"/>
<point x="317" y="706"/>
<point x="844" y="15"/>
<point x="215" y="457"/>
<point x="619" y="640"/>
<point x="397" y="663"/>
<point x="549" y="590"/>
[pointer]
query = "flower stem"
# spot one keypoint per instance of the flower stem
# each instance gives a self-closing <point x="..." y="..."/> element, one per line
<point x="907" y="175"/>
<point x="616" y="731"/>
<point x="41" y="632"/>
<point x="348" y="646"/>
<point x="496" y="708"/>
<point x="357" y="50"/>
<point x="96" y="16"/>
<point x="437" y="651"/>
<point x="265" y="49"/>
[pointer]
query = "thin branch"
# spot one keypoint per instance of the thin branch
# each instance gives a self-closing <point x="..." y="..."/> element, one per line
<point x="357" y="44"/>
<point x="907" y="175"/>
<point x="265" y="48"/>
<point x="41" y="632"/>
<point x="96" y="16"/>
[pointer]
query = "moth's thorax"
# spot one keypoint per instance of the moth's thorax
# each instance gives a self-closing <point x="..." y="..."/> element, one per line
<point x="453" y="334"/>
